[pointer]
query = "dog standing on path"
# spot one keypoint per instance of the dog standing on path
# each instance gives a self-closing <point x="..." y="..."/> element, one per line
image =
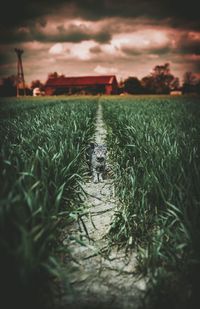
<point x="96" y="157"/>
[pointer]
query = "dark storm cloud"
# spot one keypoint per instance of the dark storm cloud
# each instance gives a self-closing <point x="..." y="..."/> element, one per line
<point x="197" y="67"/>
<point x="178" y="13"/>
<point x="72" y="34"/>
<point x="23" y="12"/>
<point x="110" y="32"/>
<point x="4" y="58"/>
<point x="189" y="43"/>
<point x="153" y="50"/>
<point x="178" y="10"/>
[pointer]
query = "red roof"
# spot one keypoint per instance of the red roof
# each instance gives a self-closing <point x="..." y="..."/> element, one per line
<point x="81" y="81"/>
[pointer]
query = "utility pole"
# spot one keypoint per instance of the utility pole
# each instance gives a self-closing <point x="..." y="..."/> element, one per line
<point x="20" y="72"/>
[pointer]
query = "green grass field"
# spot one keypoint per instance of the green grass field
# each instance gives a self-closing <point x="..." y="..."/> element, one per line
<point x="42" y="167"/>
<point x="154" y="143"/>
<point x="154" y="146"/>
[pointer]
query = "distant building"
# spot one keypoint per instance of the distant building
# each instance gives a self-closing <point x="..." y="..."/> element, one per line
<point x="82" y="85"/>
<point x="175" y="92"/>
<point x="36" y="92"/>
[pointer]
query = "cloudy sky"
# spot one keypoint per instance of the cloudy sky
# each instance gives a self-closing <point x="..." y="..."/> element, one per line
<point x="91" y="37"/>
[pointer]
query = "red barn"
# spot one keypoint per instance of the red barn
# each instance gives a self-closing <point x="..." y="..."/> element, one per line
<point x="81" y="85"/>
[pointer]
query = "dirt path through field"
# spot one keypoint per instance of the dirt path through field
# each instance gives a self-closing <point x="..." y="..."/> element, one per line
<point x="103" y="276"/>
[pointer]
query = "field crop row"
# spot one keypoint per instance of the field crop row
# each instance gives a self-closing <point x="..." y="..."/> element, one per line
<point x="42" y="166"/>
<point x="155" y="149"/>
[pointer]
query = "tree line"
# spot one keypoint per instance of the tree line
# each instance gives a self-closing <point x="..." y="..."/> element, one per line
<point x="159" y="81"/>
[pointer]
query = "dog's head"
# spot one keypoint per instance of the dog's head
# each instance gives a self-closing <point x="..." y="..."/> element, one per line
<point x="99" y="151"/>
